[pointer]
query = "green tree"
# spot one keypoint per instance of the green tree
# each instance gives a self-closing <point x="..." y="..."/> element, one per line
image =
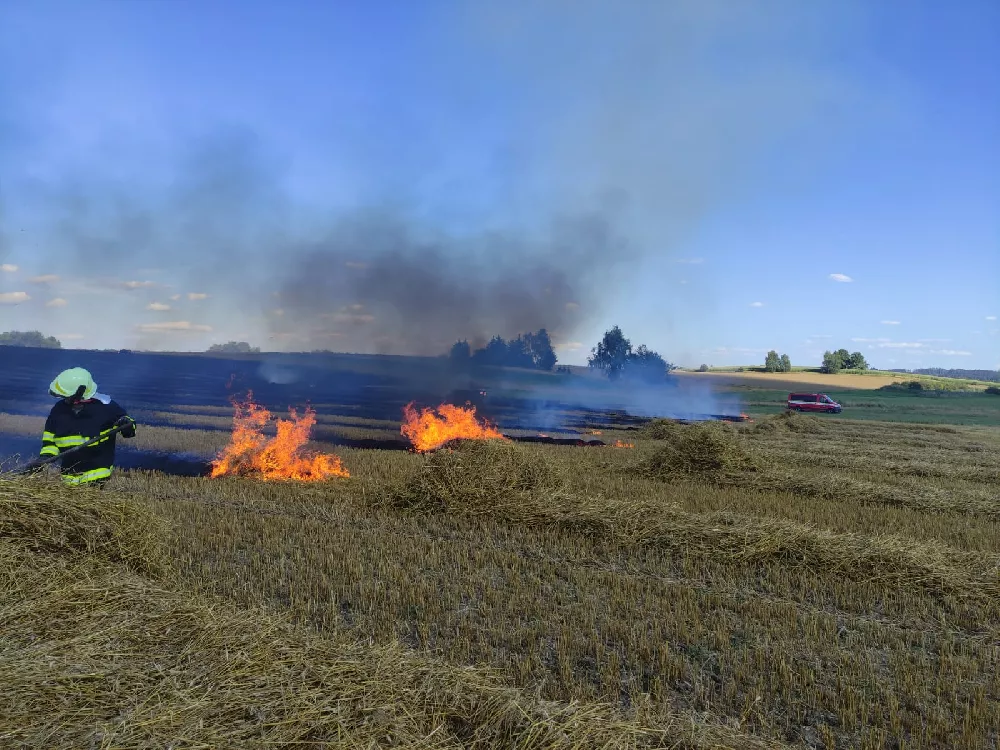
<point x="772" y="362"/>
<point x="542" y="352"/>
<point x="832" y="362"/>
<point x="34" y="339"/>
<point x="234" y="347"/>
<point x="786" y="363"/>
<point x="611" y="354"/>
<point x="856" y="361"/>
<point x="647" y="365"/>
<point x="703" y="368"/>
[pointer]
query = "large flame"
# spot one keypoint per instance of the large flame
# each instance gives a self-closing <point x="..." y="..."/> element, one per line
<point x="251" y="453"/>
<point x="431" y="428"/>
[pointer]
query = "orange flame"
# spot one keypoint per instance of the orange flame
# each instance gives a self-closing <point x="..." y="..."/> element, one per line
<point x="620" y="444"/>
<point x="251" y="453"/>
<point x="596" y="432"/>
<point x="428" y="430"/>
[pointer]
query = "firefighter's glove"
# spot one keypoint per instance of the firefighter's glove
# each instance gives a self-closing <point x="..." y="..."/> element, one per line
<point x="127" y="427"/>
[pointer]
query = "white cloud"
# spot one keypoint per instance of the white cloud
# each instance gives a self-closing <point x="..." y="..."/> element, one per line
<point x="49" y="278"/>
<point x="69" y="336"/>
<point x="137" y="284"/>
<point x="890" y="322"/>
<point x="756" y="304"/>
<point x="991" y="317"/>
<point x="57" y="302"/>
<point x="8" y="268"/>
<point x="175" y="297"/>
<point x="868" y="341"/>
<point x="901" y="345"/>
<point x="951" y="352"/>
<point x="157" y="307"/>
<point x="175" y="326"/>
<point x="570" y="306"/>
<point x="197" y="295"/>
<point x="935" y="341"/>
<point x="841" y="277"/>
<point x="13" y="298"/>
<point x="569" y="346"/>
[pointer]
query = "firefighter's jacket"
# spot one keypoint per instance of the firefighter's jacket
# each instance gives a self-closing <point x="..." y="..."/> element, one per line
<point x="68" y="426"/>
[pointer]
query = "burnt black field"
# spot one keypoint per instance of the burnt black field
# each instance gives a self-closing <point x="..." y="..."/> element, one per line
<point x="368" y="387"/>
<point x="360" y="386"/>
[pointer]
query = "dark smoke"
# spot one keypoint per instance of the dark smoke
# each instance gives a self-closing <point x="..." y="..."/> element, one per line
<point x="374" y="280"/>
<point x="367" y="281"/>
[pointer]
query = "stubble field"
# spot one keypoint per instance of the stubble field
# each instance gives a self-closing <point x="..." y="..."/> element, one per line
<point x="792" y="582"/>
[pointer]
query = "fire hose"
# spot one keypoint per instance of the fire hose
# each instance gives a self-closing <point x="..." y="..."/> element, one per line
<point x="39" y="463"/>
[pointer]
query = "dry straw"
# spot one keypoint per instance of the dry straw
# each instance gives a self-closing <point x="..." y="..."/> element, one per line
<point x="42" y="514"/>
<point x="97" y="654"/>
<point x="507" y="481"/>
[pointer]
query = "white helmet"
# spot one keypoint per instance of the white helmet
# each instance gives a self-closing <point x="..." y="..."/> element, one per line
<point x="68" y="383"/>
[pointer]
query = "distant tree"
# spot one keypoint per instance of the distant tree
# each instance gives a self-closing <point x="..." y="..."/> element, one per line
<point x="611" y="354"/>
<point x="772" y="362"/>
<point x="234" y="347"/>
<point x="34" y="339"/>
<point x="460" y="352"/>
<point x="785" y="364"/>
<point x="519" y="352"/>
<point x="856" y="361"/>
<point x="542" y="353"/>
<point x="494" y="354"/>
<point x="615" y="356"/>
<point x="528" y="350"/>
<point x="647" y="365"/>
<point x="832" y="362"/>
<point x="703" y="368"/>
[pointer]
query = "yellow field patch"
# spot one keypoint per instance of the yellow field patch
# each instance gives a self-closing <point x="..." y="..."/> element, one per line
<point x="794" y="380"/>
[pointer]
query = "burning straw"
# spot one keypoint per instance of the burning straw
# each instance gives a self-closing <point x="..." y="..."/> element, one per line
<point x="94" y="654"/>
<point x="431" y="428"/>
<point x="252" y="453"/>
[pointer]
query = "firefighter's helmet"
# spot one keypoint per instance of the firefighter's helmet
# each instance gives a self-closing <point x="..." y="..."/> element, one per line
<point x="68" y="383"/>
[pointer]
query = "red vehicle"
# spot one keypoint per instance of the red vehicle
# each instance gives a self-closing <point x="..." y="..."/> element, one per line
<point x="813" y="402"/>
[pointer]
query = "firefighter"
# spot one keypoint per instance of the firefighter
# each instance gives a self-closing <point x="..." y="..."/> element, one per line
<point x="80" y="414"/>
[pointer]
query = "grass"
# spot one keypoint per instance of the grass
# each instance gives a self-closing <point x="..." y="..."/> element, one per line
<point x="799" y="581"/>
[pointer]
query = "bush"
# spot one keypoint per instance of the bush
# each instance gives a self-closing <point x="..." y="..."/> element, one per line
<point x="993" y="390"/>
<point x="703" y="368"/>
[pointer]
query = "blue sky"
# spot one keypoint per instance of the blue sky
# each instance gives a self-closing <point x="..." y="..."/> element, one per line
<point x="787" y="175"/>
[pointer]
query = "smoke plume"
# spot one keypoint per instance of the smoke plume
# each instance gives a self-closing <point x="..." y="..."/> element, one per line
<point x="551" y="155"/>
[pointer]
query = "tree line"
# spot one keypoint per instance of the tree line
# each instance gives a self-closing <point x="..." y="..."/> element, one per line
<point x="940" y="372"/>
<point x="35" y="339"/>
<point x="529" y="350"/>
